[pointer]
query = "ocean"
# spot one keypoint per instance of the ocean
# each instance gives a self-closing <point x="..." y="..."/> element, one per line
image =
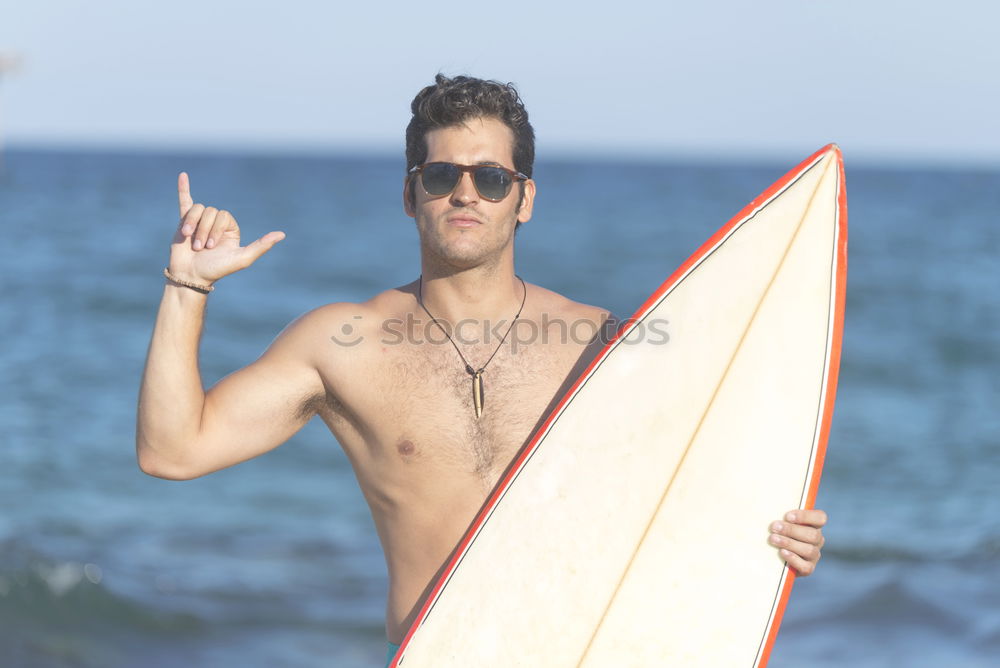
<point x="275" y="562"/>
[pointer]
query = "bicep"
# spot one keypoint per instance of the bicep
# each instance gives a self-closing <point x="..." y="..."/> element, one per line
<point x="259" y="407"/>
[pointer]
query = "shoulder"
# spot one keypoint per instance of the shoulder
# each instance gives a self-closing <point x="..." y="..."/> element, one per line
<point x="553" y="310"/>
<point x="341" y="327"/>
<point x="554" y="303"/>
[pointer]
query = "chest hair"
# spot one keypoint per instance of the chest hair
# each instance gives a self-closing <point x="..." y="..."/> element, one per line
<point x="435" y="402"/>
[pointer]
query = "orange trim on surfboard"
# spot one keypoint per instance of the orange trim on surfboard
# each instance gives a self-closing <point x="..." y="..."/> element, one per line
<point x="833" y="375"/>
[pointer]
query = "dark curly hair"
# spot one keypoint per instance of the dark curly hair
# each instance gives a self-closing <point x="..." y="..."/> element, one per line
<point x="453" y="101"/>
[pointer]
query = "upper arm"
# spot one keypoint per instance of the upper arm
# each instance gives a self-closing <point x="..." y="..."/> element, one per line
<point x="259" y="407"/>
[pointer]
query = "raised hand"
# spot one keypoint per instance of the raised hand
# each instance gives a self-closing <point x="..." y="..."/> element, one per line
<point x="206" y="246"/>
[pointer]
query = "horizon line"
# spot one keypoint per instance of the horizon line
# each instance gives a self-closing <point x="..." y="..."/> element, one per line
<point x="686" y="155"/>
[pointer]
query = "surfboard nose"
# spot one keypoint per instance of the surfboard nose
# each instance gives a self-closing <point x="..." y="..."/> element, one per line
<point x="832" y="149"/>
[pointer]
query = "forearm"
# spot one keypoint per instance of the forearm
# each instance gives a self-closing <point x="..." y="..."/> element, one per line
<point x="171" y="396"/>
<point x="174" y="436"/>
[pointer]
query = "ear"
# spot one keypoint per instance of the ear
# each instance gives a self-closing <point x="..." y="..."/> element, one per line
<point x="527" y="202"/>
<point x="409" y="197"/>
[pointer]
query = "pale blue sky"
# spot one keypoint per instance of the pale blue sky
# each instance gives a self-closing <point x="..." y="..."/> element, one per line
<point x="890" y="81"/>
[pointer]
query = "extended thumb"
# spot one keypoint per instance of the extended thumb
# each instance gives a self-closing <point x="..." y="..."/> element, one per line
<point x="254" y="250"/>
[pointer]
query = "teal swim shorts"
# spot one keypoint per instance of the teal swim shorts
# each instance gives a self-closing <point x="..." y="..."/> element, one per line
<point x="393" y="648"/>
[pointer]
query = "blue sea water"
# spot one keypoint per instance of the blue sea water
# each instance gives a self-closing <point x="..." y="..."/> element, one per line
<point x="275" y="562"/>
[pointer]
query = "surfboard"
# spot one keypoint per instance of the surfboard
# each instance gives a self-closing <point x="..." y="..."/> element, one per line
<point x="632" y="529"/>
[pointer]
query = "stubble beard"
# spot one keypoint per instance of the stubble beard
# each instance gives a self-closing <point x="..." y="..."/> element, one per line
<point x="464" y="250"/>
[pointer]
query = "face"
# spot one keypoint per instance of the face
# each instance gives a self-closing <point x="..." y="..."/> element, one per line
<point x="462" y="229"/>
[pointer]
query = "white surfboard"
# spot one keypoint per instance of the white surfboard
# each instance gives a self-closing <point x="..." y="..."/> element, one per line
<point x="632" y="529"/>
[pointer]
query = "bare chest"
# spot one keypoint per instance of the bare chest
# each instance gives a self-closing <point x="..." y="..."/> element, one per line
<point x="428" y="404"/>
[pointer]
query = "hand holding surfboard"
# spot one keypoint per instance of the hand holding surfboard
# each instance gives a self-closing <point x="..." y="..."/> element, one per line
<point x="800" y="538"/>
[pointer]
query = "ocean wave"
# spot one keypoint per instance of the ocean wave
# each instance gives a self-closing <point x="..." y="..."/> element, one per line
<point x="893" y="600"/>
<point x="866" y="554"/>
<point x="44" y="593"/>
<point x="890" y="603"/>
<point x="38" y="591"/>
<point x="986" y="550"/>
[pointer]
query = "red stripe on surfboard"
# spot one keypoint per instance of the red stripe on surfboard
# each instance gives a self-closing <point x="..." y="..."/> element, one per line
<point x="833" y="374"/>
<point x="668" y="284"/>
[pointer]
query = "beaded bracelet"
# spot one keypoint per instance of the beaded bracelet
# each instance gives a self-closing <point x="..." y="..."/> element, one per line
<point x="203" y="289"/>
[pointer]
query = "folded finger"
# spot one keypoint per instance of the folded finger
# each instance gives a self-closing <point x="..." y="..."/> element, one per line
<point x="806" y="534"/>
<point x="814" y="518"/>
<point x="807" y="551"/>
<point x="798" y="564"/>
<point x="223" y="222"/>
<point x="190" y="220"/>
<point x="204" y="227"/>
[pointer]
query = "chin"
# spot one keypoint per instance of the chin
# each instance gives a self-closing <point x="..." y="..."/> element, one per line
<point x="462" y="256"/>
<point x="463" y="249"/>
<point x="462" y="259"/>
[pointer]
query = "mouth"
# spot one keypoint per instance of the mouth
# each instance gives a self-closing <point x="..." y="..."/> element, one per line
<point x="463" y="220"/>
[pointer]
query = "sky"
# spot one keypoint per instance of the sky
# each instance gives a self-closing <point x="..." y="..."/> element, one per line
<point x="891" y="82"/>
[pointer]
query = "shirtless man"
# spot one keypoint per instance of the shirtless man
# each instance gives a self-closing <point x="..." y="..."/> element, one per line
<point x="396" y="393"/>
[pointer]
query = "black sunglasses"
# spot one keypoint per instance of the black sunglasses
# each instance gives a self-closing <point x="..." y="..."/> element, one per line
<point x="492" y="182"/>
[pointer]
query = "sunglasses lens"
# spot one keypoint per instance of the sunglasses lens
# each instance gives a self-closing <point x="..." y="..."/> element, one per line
<point x="492" y="183"/>
<point x="439" y="178"/>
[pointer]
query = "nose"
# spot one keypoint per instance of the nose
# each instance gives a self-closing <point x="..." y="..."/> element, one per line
<point x="465" y="191"/>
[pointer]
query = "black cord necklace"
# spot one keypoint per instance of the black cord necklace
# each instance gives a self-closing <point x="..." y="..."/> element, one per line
<point x="477" y="374"/>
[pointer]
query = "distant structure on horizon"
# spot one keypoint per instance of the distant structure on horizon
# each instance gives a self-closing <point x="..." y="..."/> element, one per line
<point x="9" y="62"/>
